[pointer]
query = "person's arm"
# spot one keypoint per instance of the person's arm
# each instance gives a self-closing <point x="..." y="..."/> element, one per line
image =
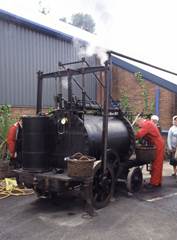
<point x="169" y="138"/>
<point x="141" y="133"/>
<point x="176" y="154"/>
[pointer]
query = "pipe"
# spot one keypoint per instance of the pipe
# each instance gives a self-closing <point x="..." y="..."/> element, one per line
<point x="137" y="116"/>
<point x="105" y="116"/>
<point x="157" y="98"/>
<point x="139" y="61"/>
<point x="39" y="93"/>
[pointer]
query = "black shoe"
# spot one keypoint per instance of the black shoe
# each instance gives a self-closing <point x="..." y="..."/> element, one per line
<point x="150" y="186"/>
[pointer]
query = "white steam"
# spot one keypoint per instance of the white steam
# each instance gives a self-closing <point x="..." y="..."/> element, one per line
<point x="91" y="49"/>
<point x="99" y="51"/>
<point x="64" y="83"/>
<point x="100" y="43"/>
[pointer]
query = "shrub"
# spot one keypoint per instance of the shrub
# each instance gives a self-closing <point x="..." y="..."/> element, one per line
<point x="5" y="121"/>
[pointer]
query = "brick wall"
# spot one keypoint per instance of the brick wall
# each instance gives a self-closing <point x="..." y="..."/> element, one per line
<point x="125" y="82"/>
<point x="166" y="108"/>
<point x="19" y="111"/>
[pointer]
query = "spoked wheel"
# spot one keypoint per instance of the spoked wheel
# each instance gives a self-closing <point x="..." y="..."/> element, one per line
<point x="134" y="179"/>
<point x="102" y="186"/>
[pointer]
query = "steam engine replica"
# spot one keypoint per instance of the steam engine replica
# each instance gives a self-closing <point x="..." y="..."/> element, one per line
<point x="79" y="126"/>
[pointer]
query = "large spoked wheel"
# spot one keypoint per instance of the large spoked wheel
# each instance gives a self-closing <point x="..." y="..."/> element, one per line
<point x="134" y="179"/>
<point x="102" y="186"/>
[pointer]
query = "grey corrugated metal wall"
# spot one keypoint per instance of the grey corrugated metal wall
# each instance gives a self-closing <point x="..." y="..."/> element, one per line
<point x="23" y="52"/>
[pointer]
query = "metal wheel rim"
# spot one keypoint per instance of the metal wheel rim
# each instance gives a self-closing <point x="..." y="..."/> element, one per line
<point x="102" y="186"/>
<point x="134" y="179"/>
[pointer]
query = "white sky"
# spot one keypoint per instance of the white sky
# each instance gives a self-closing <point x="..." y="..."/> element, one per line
<point x="142" y="29"/>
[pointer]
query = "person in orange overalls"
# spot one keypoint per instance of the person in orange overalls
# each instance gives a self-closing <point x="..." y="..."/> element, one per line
<point x="149" y="131"/>
<point x="14" y="137"/>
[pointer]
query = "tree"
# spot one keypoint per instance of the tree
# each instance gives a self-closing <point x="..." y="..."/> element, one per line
<point x="42" y="9"/>
<point x="63" y="19"/>
<point x="83" y="21"/>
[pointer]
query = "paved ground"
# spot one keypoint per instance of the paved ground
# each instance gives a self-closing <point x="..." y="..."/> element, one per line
<point x="146" y="215"/>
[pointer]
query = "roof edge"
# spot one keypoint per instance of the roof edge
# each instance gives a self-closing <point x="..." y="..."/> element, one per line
<point x="147" y="75"/>
<point x="4" y="15"/>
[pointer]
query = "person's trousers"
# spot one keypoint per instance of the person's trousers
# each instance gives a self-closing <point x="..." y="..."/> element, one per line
<point x="157" y="168"/>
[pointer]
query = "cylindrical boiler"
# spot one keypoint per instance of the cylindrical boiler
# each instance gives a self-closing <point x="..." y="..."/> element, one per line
<point x="85" y="136"/>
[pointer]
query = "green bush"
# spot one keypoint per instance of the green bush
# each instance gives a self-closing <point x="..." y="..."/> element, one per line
<point x="6" y="121"/>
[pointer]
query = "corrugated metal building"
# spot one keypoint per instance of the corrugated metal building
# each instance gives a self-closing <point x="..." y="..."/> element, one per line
<point x="27" y="47"/>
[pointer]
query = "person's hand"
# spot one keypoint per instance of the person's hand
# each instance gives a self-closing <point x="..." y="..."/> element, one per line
<point x="15" y="154"/>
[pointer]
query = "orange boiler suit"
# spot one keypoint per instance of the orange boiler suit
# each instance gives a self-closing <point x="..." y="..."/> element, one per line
<point x="11" y="139"/>
<point x="150" y="131"/>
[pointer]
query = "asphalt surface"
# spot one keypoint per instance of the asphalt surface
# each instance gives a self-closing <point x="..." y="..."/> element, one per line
<point x="146" y="215"/>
